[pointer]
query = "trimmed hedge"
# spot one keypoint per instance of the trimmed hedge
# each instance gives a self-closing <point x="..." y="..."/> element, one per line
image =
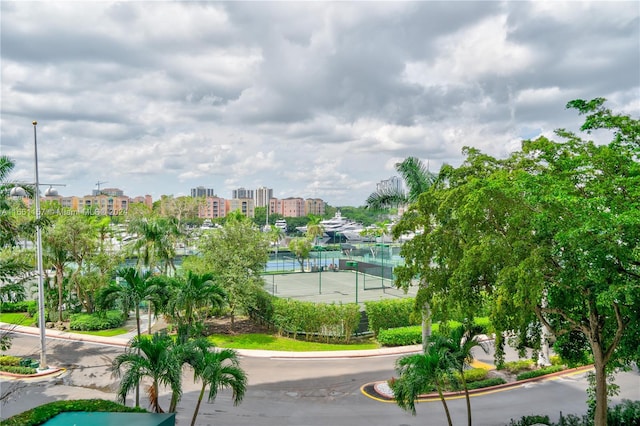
<point x="98" y="321"/>
<point x="30" y="306"/>
<point x="315" y="319"/>
<point x="540" y="372"/>
<point x="495" y="381"/>
<point x="18" y="369"/>
<point x="412" y="335"/>
<point x="43" y="413"/>
<point x="401" y="336"/>
<point x="392" y="313"/>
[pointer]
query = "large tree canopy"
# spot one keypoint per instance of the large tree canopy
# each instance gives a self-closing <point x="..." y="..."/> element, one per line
<point x="550" y="235"/>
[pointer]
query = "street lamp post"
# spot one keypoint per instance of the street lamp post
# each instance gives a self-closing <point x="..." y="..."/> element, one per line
<point x="21" y="192"/>
<point x="41" y="317"/>
<point x="319" y="250"/>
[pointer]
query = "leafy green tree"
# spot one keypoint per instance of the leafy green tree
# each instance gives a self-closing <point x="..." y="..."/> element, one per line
<point x="155" y="357"/>
<point x="236" y="255"/>
<point x="548" y="236"/>
<point x="218" y="369"/>
<point x="300" y="248"/>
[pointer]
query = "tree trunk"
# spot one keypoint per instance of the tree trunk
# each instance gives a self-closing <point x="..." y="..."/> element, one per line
<point x="444" y="403"/>
<point x="59" y="278"/>
<point x="600" y="418"/>
<point x="466" y="396"/>
<point x="138" y="329"/>
<point x="195" y="412"/>
<point x="426" y="325"/>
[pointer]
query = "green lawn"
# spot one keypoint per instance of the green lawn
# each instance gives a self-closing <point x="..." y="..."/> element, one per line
<point x="274" y="343"/>
<point x="104" y="333"/>
<point x="19" y="318"/>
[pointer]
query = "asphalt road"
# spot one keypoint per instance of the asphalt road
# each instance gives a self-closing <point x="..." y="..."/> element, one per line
<point x="301" y="392"/>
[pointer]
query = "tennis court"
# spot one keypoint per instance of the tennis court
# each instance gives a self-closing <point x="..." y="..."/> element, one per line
<point x="346" y="286"/>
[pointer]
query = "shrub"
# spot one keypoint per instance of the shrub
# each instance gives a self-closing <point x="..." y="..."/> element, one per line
<point x="18" y="369"/>
<point x="392" y="313"/>
<point x="475" y="374"/>
<point x="9" y="360"/>
<point x="43" y="413"/>
<point x="515" y="367"/>
<point x="540" y="372"/>
<point x="494" y="381"/>
<point x="401" y="336"/>
<point x="625" y="413"/>
<point x="316" y="319"/>
<point x="24" y="306"/>
<point x="94" y="322"/>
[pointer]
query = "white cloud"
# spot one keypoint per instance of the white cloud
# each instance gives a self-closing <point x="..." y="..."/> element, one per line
<point x="308" y="98"/>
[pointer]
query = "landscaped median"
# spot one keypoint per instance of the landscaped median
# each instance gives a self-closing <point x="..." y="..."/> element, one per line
<point x="381" y="391"/>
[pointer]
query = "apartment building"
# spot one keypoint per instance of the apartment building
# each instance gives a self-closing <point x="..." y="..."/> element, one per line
<point x="212" y="208"/>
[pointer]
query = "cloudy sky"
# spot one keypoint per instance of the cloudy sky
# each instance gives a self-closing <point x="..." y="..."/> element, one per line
<point x="311" y="99"/>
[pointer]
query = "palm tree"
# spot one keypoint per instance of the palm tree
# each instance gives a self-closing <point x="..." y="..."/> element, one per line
<point x="155" y="357"/>
<point x="275" y="235"/>
<point x="218" y="369"/>
<point x="315" y="229"/>
<point x="8" y="227"/>
<point x="190" y="293"/>
<point x="417" y="178"/>
<point x="155" y="242"/>
<point x="136" y="287"/>
<point x="419" y="374"/>
<point x="457" y="347"/>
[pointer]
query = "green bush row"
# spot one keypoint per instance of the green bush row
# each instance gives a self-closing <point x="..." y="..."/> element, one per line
<point x="401" y="336"/>
<point x="98" y="321"/>
<point x="627" y="413"/>
<point x="519" y="366"/>
<point x="412" y="335"/>
<point x="315" y="319"/>
<point x="17" y="369"/>
<point x="43" y="413"/>
<point x="30" y="306"/>
<point x="391" y="313"/>
<point x="494" y="381"/>
<point x="540" y="372"/>
<point x="475" y="375"/>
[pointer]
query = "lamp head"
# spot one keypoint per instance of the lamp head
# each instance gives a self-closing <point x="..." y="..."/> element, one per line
<point x="35" y="122"/>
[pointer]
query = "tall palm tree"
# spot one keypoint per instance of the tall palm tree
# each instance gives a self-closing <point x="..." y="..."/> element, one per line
<point x="275" y="235"/>
<point x="417" y="178"/>
<point x="8" y="227"/>
<point x="190" y="293"/>
<point x="457" y="347"/>
<point x="218" y="369"/>
<point x="154" y="242"/>
<point x="137" y="286"/>
<point x="315" y="229"/>
<point x="155" y="357"/>
<point x="419" y="374"/>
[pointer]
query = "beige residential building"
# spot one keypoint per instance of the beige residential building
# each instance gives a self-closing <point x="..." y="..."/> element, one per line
<point x="212" y="208"/>
<point x="245" y="205"/>
<point x="314" y="206"/>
